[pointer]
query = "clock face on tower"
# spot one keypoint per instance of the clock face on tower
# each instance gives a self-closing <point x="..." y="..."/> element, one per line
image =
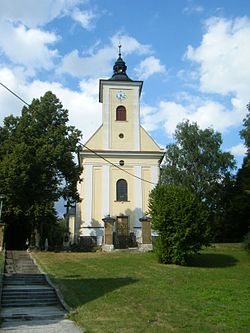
<point x="120" y="95"/>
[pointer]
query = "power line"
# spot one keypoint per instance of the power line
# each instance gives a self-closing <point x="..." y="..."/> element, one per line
<point x="12" y="92"/>
<point x="100" y="156"/>
<point x="117" y="166"/>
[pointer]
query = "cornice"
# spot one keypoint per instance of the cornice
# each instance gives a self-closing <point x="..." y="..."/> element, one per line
<point x="119" y="85"/>
<point x="128" y="154"/>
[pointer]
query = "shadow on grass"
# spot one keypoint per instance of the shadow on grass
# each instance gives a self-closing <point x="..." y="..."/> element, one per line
<point x="78" y="291"/>
<point x="212" y="260"/>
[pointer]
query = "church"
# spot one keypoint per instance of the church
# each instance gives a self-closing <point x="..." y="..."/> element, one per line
<point x="120" y="166"/>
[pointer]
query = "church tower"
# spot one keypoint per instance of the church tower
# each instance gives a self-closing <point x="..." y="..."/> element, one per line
<point x="120" y="165"/>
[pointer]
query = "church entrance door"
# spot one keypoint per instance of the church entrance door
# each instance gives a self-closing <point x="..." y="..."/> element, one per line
<point x="121" y="236"/>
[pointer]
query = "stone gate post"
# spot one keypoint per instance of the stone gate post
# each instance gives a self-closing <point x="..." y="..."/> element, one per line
<point x="146" y="244"/>
<point x="108" y="245"/>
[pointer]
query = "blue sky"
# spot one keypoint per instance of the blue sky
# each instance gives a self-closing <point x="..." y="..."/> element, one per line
<point x="193" y="57"/>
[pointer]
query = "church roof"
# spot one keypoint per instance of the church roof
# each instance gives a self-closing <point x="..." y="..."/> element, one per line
<point x="120" y="69"/>
<point x="119" y="77"/>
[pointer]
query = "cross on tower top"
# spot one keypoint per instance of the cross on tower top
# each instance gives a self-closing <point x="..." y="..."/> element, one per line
<point x="120" y="46"/>
<point x="120" y="68"/>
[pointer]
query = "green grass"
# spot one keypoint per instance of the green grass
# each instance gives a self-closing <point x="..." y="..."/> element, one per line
<point x="132" y="292"/>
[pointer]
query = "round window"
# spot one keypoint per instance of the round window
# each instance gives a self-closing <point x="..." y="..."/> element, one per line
<point x="121" y="162"/>
<point x="121" y="135"/>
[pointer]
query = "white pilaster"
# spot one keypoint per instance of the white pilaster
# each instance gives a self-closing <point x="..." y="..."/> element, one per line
<point x="105" y="190"/>
<point x="106" y="118"/>
<point x="154" y="174"/>
<point x="138" y="196"/>
<point x="77" y="217"/>
<point x="137" y="145"/>
<point x="88" y="189"/>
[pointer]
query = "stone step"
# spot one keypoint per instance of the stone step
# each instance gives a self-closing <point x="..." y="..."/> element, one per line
<point x="21" y="270"/>
<point x="17" y="278"/>
<point x="28" y="296"/>
<point x="24" y="277"/>
<point x="31" y="313"/>
<point x="25" y="262"/>
<point x="37" y="291"/>
<point x="26" y="293"/>
<point x="19" y="262"/>
<point x="34" y="286"/>
<point x="24" y="274"/>
<point x="30" y="303"/>
<point x="25" y="280"/>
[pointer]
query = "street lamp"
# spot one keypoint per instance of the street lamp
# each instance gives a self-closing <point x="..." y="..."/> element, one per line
<point x="2" y="196"/>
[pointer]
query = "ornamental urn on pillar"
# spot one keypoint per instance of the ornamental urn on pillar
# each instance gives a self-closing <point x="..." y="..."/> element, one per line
<point x="108" y="245"/>
<point x="146" y="244"/>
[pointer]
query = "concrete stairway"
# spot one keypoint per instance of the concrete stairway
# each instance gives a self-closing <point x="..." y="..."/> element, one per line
<point x="26" y="293"/>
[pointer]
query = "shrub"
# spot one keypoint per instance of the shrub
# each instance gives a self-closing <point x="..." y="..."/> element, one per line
<point x="56" y="234"/>
<point x="181" y="221"/>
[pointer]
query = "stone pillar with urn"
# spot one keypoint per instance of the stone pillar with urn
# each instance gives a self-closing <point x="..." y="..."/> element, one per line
<point x="108" y="245"/>
<point x="146" y="244"/>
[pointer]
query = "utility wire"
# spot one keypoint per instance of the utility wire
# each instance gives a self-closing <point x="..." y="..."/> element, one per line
<point x="12" y="92"/>
<point x="117" y="166"/>
<point x="92" y="151"/>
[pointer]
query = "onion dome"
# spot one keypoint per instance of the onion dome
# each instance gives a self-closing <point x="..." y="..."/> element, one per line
<point x="119" y="69"/>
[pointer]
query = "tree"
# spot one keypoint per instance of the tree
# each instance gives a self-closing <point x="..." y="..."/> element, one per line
<point x="37" y="162"/>
<point x="180" y="219"/>
<point x="197" y="162"/>
<point x="245" y="132"/>
<point x="237" y="218"/>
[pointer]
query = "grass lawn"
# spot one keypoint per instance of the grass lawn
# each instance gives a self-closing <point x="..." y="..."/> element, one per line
<point x="132" y="293"/>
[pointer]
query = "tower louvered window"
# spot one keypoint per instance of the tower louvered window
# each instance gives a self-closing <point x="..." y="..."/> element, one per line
<point x="121" y="113"/>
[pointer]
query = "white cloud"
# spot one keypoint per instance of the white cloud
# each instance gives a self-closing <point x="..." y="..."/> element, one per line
<point x="97" y="65"/>
<point x="149" y="67"/>
<point x="222" y="61"/>
<point x="130" y="44"/>
<point x="206" y="113"/>
<point x="223" y="57"/>
<point x="10" y="104"/>
<point x="192" y="8"/>
<point x="150" y="117"/>
<point x="35" y="13"/>
<point x="214" y="114"/>
<point x="28" y="47"/>
<point x="84" y="109"/>
<point x="98" y="62"/>
<point x="166" y="115"/>
<point x="24" y="42"/>
<point x="84" y="17"/>
<point x="238" y="150"/>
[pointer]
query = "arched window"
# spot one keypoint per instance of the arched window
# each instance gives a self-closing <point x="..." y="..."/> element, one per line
<point x="121" y="113"/>
<point x="121" y="190"/>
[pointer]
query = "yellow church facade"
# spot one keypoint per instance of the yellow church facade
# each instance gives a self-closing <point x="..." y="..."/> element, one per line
<point x="120" y="164"/>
